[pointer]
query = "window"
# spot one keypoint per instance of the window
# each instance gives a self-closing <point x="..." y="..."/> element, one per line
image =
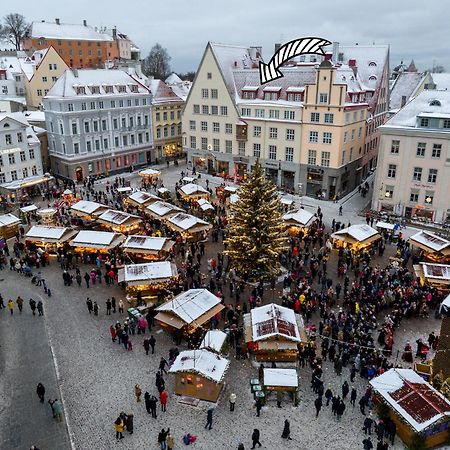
<point x="289" y="115"/>
<point x="116" y="141"/>
<point x="11" y="158"/>
<point x="101" y="105"/>
<point x="289" y="155"/>
<point x="417" y="174"/>
<point x="343" y="157"/>
<point x="193" y="142"/>
<point x="204" y="126"/>
<point x="272" y="152"/>
<point x="326" y="159"/>
<point x="83" y="106"/>
<point x="395" y="147"/>
<point x="89" y="146"/>
<point x="19" y="137"/>
<point x="246" y="112"/>
<point x="313" y="136"/>
<point x="120" y="104"/>
<point x="8" y="139"/>
<point x="192" y="125"/>
<point x="204" y="143"/>
<point x="34" y="170"/>
<point x="172" y="130"/>
<point x="315" y="117"/>
<point x="429" y="197"/>
<point x="31" y="153"/>
<point x="389" y="192"/>
<point x="323" y="98"/>
<point x="359" y="132"/>
<point x="257" y="131"/>
<point x="414" y="196"/>
<point x="420" y="152"/>
<point x="13" y="175"/>
<point x="223" y="111"/>
<point x="345" y="136"/>
<point x="205" y="109"/>
<point x="205" y="93"/>
<point x="92" y="105"/>
<point x="294" y="97"/>
<point x="228" y="146"/>
<point x="353" y="134"/>
<point x="86" y="127"/>
<point x="327" y="137"/>
<point x="44" y="79"/>
<point x="216" y="127"/>
<point x="196" y="109"/>
<point x="69" y="106"/>
<point x="228" y="128"/>
<point x="329" y="118"/>
<point x="104" y="125"/>
<point x="157" y="117"/>
<point x="216" y="145"/>
<point x="166" y="132"/>
<point x="241" y="148"/>
<point x="4" y="89"/>
<point x="432" y="175"/>
<point x="25" y="172"/>
<point x="125" y="141"/>
<point x="256" y="150"/>
<point x="214" y="110"/>
<point x="95" y="125"/>
<point x="274" y="113"/>
<point x="248" y="95"/>
<point x="214" y="93"/>
<point x="2" y="178"/>
<point x="23" y="156"/>
<point x="76" y="148"/>
<point x="436" y="151"/>
<point x="259" y="112"/>
<point x="209" y="75"/>
<point x="312" y="157"/>
<point x="273" y="133"/>
<point x="74" y="128"/>
<point x="290" y="134"/>
<point x="392" y="171"/>
<point x="424" y="121"/>
<point x="446" y="123"/>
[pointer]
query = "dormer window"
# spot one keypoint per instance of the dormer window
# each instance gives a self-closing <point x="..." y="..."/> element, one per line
<point x="121" y="88"/>
<point x="81" y="90"/>
<point x="294" y="97"/>
<point x="95" y="89"/>
<point x="109" y="89"/>
<point x="249" y="92"/>
<point x="372" y="78"/>
<point x="134" y="88"/>
<point x="435" y="103"/>
<point x="272" y="93"/>
<point x="424" y="122"/>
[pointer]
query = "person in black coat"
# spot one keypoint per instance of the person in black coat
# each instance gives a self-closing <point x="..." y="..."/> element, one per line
<point x="318" y="405"/>
<point x="40" y="391"/>
<point x="286" y="430"/>
<point x="255" y="438"/>
<point x="367" y="426"/>
<point x="345" y="389"/>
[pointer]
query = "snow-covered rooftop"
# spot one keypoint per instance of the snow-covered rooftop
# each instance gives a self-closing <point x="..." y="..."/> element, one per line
<point x="8" y="219"/>
<point x="359" y="232"/>
<point x="404" y="88"/>
<point x="430" y="240"/>
<point x="186" y="221"/>
<point x="94" y="237"/>
<point x="445" y="306"/>
<point x="87" y="207"/>
<point x="280" y="377"/>
<point x="213" y="340"/>
<point x="122" y="190"/>
<point x="231" y="189"/>
<point x="162" y="208"/>
<point x="415" y="400"/>
<point x="47" y="211"/>
<point x="436" y="271"/>
<point x="205" y="363"/>
<point x="145" y="242"/>
<point x="29" y="208"/>
<point x="192" y="188"/>
<point x="46" y="232"/>
<point x="204" y="204"/>
<point x="442" y="81"/>
<point x="142" y="197"/>
<point x="190" y="305"/>
<point x="52" y="30"/>
<point x="117" y="217"/>
<point x="385" y="225"/>
<point x="301" y="217"/>
<point x="147" y="272"/>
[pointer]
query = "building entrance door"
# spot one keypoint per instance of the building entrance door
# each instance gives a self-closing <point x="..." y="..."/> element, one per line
<point x="79" y="174"/>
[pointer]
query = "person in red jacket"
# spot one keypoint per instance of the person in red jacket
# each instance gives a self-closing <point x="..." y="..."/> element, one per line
<point x="112" y="330"/>
<point x="163" y="400"/>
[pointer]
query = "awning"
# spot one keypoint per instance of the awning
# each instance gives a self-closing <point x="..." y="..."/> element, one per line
<point x="26" y="182"/>
<point x="170" y="319"/>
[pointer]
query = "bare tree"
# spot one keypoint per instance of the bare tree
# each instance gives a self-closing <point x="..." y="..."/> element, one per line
<point x="157" y="62"/>
<point x="189" y="76"/>
<point x="15" y="28"/>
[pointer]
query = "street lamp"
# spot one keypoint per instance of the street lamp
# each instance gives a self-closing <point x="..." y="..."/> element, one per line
<point x="428" y="199"/>
<point x="387" y="194"/>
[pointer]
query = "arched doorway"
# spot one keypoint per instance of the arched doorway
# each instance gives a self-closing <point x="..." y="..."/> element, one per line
<point x="79" y="174"/>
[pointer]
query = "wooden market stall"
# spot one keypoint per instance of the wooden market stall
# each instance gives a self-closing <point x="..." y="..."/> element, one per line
<point x="9" y="226"/>
<point x="214" y="341"/>
<point x="188" y="311"/>
<point x="356" y="237"/>
<point x="287" y="201"/>
<point x="199" y="374"/>
<point x="223" y="192"/>
<point x="188" y="180"/>
<point x="150" y="175"/>
<point x="281" y="380"/>
<point x="164" y="193"/>
<point x="435" y="248"/>
<point x="298" y="220"/>
<point x="147" y="248"/>
<point x="29" y="209"/>
<point x="436" y="275"/>
<point x="96" y="241"/>
<point x="47" y="215"/>
<point x="120" y="221"/>
<point x="274" y="333"/>
<point x="191" y="227"/>
<point x="49" y="238"/>
<point x="88" y="210"/>
<point x="192" y="192"/>
<point x="150" y="280"/>
<point x="205" y="206"/>
<point x="415" y="406"/>
<point x="68" y="196"/>
<point x="162" y="210"/>
<point x="141" y="199"/>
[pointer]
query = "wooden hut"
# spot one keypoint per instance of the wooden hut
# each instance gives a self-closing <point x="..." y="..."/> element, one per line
<point x="96" y="241"/>
<point x="164" y="193"/>
<point x="9" y="226"/>
<point x="188" y="311"/>
<point x="436" y="275"/>
<point x="147" y="248"/>
<point x="274" y="333"/>
<point x="49" y="238"/>
<point x="415" y="406"/>
<point x="141" y="199"/>
<point x="88" y="210"/>
<point x="191" y="227"/>
<point x="162" y="210"/>
<point x="281" y="380"/>
<point x="199" y="374"/>
<point x="356" y="237"/>
<point x="298" y="220"/>
<point x="192" y="192"/>
<point x="441" y="360"/>
<point x="435" y="248"/>
<point x="47" y="215"/>
<point x="120" y="221"/>
<point x="205" y="206"/>
<point x="214" y="340"/>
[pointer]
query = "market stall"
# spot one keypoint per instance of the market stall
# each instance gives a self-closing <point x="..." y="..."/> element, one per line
<point x="150" y="175"/>
<point x="162" y="210"/>
<point x="436" y="275"/>
<point x="147" y="248"/>
<point x="298" y="220"/>
<point x="192" y="192"/>
<point x="29" y="209"/>
<point x="124" y="190"/>
<point x="356" y="237"/>
<point x="47" y="215"/>
<point x="188" y="311"/>
<point x="9" y="226"/>
<point x="164" y="193"/>
<point x="190" y="227"/>
<point x="120" y="221"/>
<point x="199" y="374"/>
<point x="281" y="380"/>
<point x="149" y="280"/>
<point x="141" y="199"/>
<point x="415" y="406"/>
<point x="68" y="196"/>
<point x="435" y="248"/>
<point x="188" y="180"/>
<point x="49" y="238"/>
<point x="96" y="241"/>
<point x="214" y="340"/>
<point x="88" y="210"/>
<point x="287" y="201"/>
<point x="205" y="206"/>
<point x="274" y="333"/>
<point x="223" y="192"/>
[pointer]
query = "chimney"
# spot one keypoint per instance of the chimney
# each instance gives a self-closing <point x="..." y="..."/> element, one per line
<point x="75" y="73"/>
<point x="85" y="22"/>
<point x="352" y="62"/>
<point x="57" y="22"/>
<point x="114" y="33"/>
<point x="328" y="56"/>
<point x="335" y="51"/>
<point x="277" y="47"/>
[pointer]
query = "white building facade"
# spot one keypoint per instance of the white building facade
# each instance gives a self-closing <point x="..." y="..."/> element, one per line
<point x="413" y="174"/>
<point x="98" y="122"/>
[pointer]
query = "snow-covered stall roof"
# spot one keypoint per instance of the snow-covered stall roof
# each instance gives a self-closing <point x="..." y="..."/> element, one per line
<point x="280" y="377"/>
<point x="385" y="225"/>
<point x="7" y="220"/>
<point x="208" y="364"/>
<point x="234" y="198"/>
<point x="436" y="271"/>
<point x="415" y="400"/>
<point x="97" y="239"/>
<point x="116" y="217"/>
<point x="88" y="207"/>
<point x="149" y="243"/>
<point x="301" y="217"/>
<point x="142" y="197"/>
<point x="231" y="189"/>
<point x="148" y="272"/>
<point x="49" y="234"/>
<point x="192" y="188"/>
<point x="191" y="305"/>
<point x="188" y="180"/>
<point x="67" y="192"/>
<point x="29" y="208"/>
<point x="122" y="190"/>
<point x="149" y="173"/>
<point x="358" y="233"/>
<point x="161" y="209"/>
<point x="274" y="320"/>
<point x="445" y="306"/>
<point x="187" y="222"/>
<point x="429" y="241"/>
<point x="163" y="190"/>
<point x="204" y="204"/>
<point x="47" y="211"/>
<point x="213" y="340"/>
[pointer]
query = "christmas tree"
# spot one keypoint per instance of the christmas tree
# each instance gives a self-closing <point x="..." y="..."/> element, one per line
<point x="256" y="233"/>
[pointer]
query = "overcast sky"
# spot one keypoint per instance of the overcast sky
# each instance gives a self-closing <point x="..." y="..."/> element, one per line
<point x="414" y="29"/>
